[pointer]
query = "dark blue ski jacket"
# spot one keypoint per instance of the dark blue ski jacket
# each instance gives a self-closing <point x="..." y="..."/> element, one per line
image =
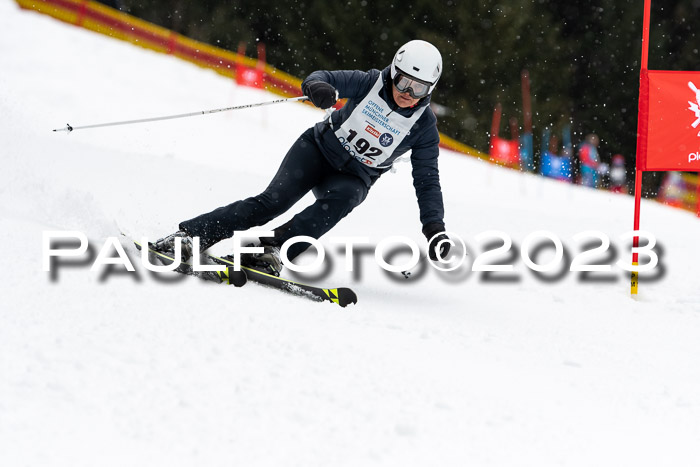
<point x="422" y="140"/>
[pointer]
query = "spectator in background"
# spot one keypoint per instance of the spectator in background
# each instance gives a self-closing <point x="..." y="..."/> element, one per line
<point x="672" y="190"/>
<point x="589" y="159"/>
<point x="618" y="174"/>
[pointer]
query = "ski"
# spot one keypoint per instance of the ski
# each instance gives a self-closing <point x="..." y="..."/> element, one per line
<point x="342" y="296"/>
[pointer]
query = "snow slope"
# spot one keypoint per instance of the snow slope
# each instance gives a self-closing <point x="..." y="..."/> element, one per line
<point x="111" y="368"/>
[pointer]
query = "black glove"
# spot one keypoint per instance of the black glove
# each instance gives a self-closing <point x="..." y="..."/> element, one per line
<point x="431" y="231"/>
<point x="322" y="94"/>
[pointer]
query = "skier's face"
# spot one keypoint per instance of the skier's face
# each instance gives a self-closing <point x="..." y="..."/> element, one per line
<point x="403" y="99"/>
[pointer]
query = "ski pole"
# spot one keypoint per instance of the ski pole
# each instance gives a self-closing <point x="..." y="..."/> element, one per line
<point x="70" y="128"/>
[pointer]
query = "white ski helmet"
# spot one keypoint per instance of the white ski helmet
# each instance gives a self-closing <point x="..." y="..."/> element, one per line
<point x="420" y="60"/>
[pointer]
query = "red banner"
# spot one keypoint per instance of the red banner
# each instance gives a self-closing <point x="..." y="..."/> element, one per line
<point x="673" y="130"/>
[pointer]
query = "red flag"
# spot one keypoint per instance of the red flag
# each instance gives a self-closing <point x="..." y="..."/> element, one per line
<point x="673" y="130"/>
<point x="506" y="152"/>
<point x="247" y="76"/>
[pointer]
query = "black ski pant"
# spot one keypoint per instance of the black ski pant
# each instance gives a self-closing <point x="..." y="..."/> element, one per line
<point x="303" y="169"/>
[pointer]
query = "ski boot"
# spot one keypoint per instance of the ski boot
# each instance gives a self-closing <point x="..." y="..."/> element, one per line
<point x="167" y="244"/>
<point x="269" y="261"/>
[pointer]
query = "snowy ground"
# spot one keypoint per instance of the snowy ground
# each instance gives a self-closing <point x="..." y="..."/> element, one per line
<point x="117" y="369"/>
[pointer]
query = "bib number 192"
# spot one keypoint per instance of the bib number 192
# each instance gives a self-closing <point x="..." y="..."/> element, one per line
<point x="363" y="146"/>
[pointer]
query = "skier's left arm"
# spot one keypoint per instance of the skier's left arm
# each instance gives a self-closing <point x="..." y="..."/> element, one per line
<point x="426" y="181"/>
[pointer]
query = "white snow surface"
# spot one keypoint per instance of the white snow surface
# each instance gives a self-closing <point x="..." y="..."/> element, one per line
<point x="108" y="368"/>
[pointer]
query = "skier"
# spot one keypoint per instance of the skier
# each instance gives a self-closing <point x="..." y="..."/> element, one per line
<point x="387" y="113"/>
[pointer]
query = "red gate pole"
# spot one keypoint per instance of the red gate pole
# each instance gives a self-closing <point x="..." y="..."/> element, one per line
<point x="495" y="128"/>
<point x="642" y="127"/>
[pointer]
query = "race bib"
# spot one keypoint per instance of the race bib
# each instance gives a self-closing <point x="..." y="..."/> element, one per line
<point x="373" y="131"/>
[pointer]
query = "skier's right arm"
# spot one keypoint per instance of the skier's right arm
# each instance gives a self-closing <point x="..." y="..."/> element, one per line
<point x="320" y="86"/>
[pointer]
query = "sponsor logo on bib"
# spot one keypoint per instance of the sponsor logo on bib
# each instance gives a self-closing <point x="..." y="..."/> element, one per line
<point x="372" y="131"/>
<point x="386" y="139"/>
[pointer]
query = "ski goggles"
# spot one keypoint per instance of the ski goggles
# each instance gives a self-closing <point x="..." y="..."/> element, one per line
<point x="415" y="87"/>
